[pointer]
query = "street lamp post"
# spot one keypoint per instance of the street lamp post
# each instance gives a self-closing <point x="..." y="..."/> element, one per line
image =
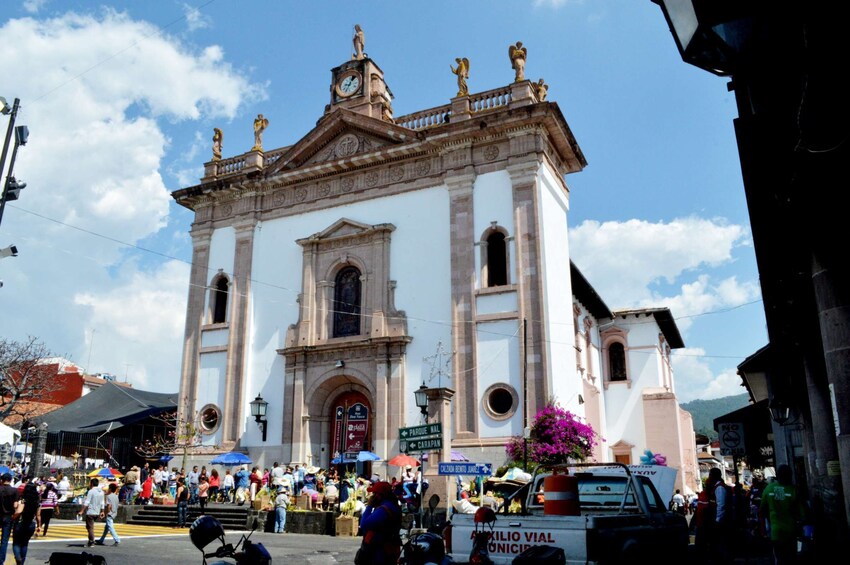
<point x="258" y="411"/>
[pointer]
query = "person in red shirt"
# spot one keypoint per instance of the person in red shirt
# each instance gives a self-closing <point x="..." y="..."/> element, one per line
<point x="256" y="482"/>
<point x="147" y="490"/>
<point x="215" y="484"/>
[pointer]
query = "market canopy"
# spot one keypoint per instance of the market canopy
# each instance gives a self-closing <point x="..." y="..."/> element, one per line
<point x="107" y="408"/>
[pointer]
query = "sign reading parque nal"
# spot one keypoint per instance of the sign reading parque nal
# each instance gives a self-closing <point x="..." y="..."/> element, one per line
<point x="421" y="431"/>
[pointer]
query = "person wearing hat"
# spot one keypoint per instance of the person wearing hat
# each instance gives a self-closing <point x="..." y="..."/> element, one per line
<point x="379" y="526"/>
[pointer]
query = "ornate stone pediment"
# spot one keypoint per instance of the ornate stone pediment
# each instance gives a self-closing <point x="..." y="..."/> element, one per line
<point x="345" y="145"/>
<point x="340" y="135"/>
<point x="346" y="229"/>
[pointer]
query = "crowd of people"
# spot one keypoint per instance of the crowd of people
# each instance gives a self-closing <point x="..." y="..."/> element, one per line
<point x="27" y="506"/>
<point x="729" y="521"/>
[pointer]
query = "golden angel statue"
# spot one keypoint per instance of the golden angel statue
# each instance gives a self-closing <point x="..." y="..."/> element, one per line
<point x="359" y="41"/>
<point x="260" y="124"/>
<point x="462" y="72"/>
<point x="517" y="54"/>
<point x="218" y="139"/>
<point x="542" y="89"/>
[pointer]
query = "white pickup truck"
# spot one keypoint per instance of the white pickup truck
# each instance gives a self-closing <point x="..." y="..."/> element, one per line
<point x="622" y="519"/>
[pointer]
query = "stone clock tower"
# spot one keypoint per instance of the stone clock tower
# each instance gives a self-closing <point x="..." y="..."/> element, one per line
<point x="358" y="85"/>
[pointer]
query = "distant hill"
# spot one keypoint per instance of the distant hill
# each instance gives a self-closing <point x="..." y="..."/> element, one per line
<point x="705" y="411"/>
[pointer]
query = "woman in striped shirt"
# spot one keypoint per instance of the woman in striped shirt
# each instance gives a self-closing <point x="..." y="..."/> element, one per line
<point x="49" y="504"/>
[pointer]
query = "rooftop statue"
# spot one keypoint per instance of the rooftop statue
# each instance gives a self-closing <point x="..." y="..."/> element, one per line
<point x="359" y="41"/>
<point x="217" y="140"/>
<point x="260" y="124"/>
<point x="517" y="54"/>
<point x="542" y="89"/>
<point x="462" y="72"/>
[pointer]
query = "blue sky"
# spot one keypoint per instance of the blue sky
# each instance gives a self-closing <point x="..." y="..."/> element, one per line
<point x="121" y="99"/>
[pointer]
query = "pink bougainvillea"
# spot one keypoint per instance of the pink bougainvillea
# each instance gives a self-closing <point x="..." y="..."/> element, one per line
<point x="557" y="436"/>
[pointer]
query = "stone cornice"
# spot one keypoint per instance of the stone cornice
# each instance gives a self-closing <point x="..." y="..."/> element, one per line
<point x="412" y="160"/>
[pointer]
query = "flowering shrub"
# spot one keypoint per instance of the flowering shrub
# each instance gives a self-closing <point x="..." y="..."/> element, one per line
<point x="557" y="436"/>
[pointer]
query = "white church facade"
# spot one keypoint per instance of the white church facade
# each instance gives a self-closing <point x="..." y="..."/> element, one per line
<point x="328" y="275"/>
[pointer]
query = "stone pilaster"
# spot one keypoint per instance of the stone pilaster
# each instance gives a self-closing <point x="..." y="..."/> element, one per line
<point x="530" y="282"/>
<point x="463" y="286"/>
<point x="198" y="280"/>
<point x="234" y="388"/>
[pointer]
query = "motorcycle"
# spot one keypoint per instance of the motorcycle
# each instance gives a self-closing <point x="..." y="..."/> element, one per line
<point x="427" y="548"/>
<point x="208" y="529"/>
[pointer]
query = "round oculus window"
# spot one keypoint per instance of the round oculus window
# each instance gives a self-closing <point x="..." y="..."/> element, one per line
<point x="500" y="401"/>
<point x="210" y="418"/>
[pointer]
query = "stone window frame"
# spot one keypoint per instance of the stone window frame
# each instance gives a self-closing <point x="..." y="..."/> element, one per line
<point x="609" y="337"/>
<point x="214" y="297"/>
<point x="622" y="452"/>
<point x="485" y="401"/>
<point x="485" y="265"/>
<point x="346" y="243"/>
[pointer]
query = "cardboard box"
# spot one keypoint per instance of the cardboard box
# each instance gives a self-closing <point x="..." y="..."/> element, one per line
<point x="346" y="526"/>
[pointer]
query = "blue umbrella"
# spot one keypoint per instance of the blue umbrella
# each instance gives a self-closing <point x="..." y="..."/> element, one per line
<point x="367" y="456"/>
<point x="342" y="459"/>
<point x="232" y="458"/>
<point x="166" y="458"/>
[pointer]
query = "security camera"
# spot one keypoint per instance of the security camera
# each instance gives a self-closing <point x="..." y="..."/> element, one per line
<point x="10" y="251"/>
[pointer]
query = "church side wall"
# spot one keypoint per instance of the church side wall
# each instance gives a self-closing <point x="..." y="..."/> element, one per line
<point x="557" y="291"/>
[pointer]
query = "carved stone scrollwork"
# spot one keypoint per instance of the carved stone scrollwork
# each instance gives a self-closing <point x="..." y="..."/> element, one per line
<point x="279" y="198"/>
<point x="225" y="211"/>
<point x="324" y="189"/>
<point x="491" y="152"/>
<point x="371" y="178"/>
<point x="301" y="194"/>
<point x="346" y="184"/>
<point x="397" y="173"/>
<point x="347" y="145"/>
<point x="422" y="167"/>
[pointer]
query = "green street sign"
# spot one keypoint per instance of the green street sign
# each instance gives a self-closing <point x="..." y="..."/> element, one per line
<point x="420" y="431"/>
<point x="422" y="444"/>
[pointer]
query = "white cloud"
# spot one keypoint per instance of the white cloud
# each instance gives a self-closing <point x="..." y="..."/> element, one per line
<point x="555" y="3"/>
<point x="625" y="261"/>
<point x="141" y="317"/>
<point x="195" y="19"/>
<point x="33" y="6"/>
<point x="695" y="379"/>
<point x="94" y="91"/>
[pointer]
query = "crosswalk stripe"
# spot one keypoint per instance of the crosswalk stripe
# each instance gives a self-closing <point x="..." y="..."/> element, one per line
<point x="78" y="531"/>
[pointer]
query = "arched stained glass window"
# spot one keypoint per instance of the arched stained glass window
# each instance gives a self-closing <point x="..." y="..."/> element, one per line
<point x="347" y="302"/>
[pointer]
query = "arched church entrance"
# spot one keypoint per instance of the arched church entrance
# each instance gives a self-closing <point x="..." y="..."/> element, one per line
<point x="351" y="431"/>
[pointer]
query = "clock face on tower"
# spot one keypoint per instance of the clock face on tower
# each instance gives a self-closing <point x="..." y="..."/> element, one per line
<point x="348" y="84"/>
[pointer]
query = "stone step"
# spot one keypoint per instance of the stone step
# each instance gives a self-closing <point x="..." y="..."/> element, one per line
<point x="166" y="515"/>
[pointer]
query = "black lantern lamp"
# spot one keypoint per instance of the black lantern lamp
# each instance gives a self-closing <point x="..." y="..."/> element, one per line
<point x="779" y="411"/>
<point x="258" y="411"/>
<point x="710" y="34"/>
<point x="421" y="396"/>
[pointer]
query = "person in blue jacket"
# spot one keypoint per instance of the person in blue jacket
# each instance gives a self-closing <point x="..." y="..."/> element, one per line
<point x="380" y="525"/>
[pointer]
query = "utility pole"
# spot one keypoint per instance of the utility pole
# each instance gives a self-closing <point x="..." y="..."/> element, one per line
<point x="13" y="113"/>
